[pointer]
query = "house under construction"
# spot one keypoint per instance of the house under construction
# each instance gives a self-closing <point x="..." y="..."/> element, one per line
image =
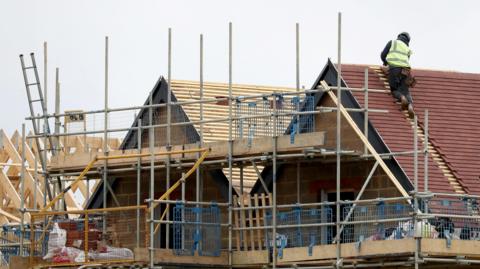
<point x="225" y="175"/>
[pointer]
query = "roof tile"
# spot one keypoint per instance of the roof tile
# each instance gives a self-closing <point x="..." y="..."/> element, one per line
<point x="397" y="131"/>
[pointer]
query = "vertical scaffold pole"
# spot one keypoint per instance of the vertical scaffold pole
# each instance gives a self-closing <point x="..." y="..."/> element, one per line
<point x="338" y="138"/>
<point x="152" y="181"/>
<point x="425" y="156"/>
<point x="42" y="156"/>
<point x="57" y="109"/>
<point x="139" y="175"/>
<point x="297" y="56"/>
<point x="415" y="152"/>
<point x="241" y="180"/>
<point x="22" y="194"/>
<point x="199" y="179"/>
<point x="35" y="177"/>
<point x="230" y="144"/>
<point x="105" y="138"/>
<point x="45" y="99"/>
<point x="415" y="195"/>
<point x="298" y="182"/>
<point x="169" y="131"/>
<point x="45" y="75"/>
<point x="198" y="172"/>
<point x="274" y="182"/>
<point x="297" y="85"/>
<point x="365" y="120"/>
<point x="43" y="153"/>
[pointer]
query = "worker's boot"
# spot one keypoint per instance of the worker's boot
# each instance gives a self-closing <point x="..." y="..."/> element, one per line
<point x="404" y="102"/>
<point x="411" y="113"/>
<point x="385" y="70"/>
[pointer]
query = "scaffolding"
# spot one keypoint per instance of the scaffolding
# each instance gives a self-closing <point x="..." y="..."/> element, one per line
<point x="245" y="230"/>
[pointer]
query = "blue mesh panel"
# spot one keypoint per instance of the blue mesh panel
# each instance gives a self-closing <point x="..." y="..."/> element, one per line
<point x="196" y="229"/>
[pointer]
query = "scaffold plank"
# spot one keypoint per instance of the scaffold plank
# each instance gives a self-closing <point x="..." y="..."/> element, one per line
<point x="166" y="256"/>
<point x="219" y="149"/>
<point x="438" y="247"/>
<point x="349" y="250"/>
<point x="251" y="257"/>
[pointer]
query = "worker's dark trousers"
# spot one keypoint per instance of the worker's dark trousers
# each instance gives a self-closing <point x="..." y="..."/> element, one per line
<point x="398" y="84"/>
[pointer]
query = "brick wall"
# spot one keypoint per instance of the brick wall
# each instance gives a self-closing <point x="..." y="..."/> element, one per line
<point x="327" y="122"/>
<point x="318" y="176"/>
<point x="125" y="191"/>
<point x="178" y="133"/>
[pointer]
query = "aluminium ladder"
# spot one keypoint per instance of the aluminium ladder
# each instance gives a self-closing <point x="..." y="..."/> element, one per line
<point x="35" y="120"/>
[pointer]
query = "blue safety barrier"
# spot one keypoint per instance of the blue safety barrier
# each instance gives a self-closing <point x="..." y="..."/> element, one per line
<point x="302" y="123"/>
<point x="196" y="229"/>
<point x="297" y="236"/>
<point x="10" y="239"/>
<point x="376" y="231"/>
<point x="307" y="122"/>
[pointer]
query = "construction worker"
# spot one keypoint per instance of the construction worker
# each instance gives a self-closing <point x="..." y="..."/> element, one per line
<point x="396" y="55"/>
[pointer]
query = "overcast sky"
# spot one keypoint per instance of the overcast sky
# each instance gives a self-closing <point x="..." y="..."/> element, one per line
<point x="444" y="36"/>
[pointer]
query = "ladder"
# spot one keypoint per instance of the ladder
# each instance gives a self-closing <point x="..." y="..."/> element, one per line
<point x="38" y="98"/>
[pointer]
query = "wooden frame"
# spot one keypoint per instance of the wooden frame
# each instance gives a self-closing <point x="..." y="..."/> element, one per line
<point x="10" y="168"/>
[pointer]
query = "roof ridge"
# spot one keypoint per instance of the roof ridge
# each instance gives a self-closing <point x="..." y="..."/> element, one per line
<point x="447" y="172"/>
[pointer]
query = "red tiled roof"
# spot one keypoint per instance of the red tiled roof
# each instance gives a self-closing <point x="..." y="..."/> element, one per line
<point x="454" y="113"/>
<point x="454" y="123"/>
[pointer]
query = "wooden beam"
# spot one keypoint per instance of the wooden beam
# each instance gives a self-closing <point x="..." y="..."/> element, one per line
<point x="236" y="217"/>
<point x="10" y="191"/>
<point x="29" y="156"/>
<point x="79" y="146"/>
<point x="2" y="196"/>
<point x="3" y="220"/>
<point x="33" y="145"/>
<point x="70" y="201"/>
<point x="3" y="155"/>
<point x="9" y="216"/>
<point x="90" y="142"/>
<point x="82" y="186"/>
<point x="257" y="220"/>
<point x="31" y="159"/>
<point x="13" y="170"/>
<point x="29" y="181"/>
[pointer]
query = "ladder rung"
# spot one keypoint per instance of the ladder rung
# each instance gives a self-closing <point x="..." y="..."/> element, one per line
<point x="36" y="100"/>
<point x="29" y="67"/>
<point x="31" y="84"/>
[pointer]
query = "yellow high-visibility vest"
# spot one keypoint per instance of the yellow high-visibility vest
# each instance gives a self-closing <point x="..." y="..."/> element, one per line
<point x="399" y="54"/>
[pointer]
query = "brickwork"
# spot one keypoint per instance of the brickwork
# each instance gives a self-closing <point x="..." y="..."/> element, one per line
<point x="178" y="133"/>
<point x="125" y="190"/>
<point x="326" y="122"/>
<point x="317" y="176"/>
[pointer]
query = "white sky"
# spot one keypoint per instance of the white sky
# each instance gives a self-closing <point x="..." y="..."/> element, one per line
<point x="444" y="36"/>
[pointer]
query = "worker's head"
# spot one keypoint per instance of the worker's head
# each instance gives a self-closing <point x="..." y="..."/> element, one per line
<point x="404" y="36"/>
